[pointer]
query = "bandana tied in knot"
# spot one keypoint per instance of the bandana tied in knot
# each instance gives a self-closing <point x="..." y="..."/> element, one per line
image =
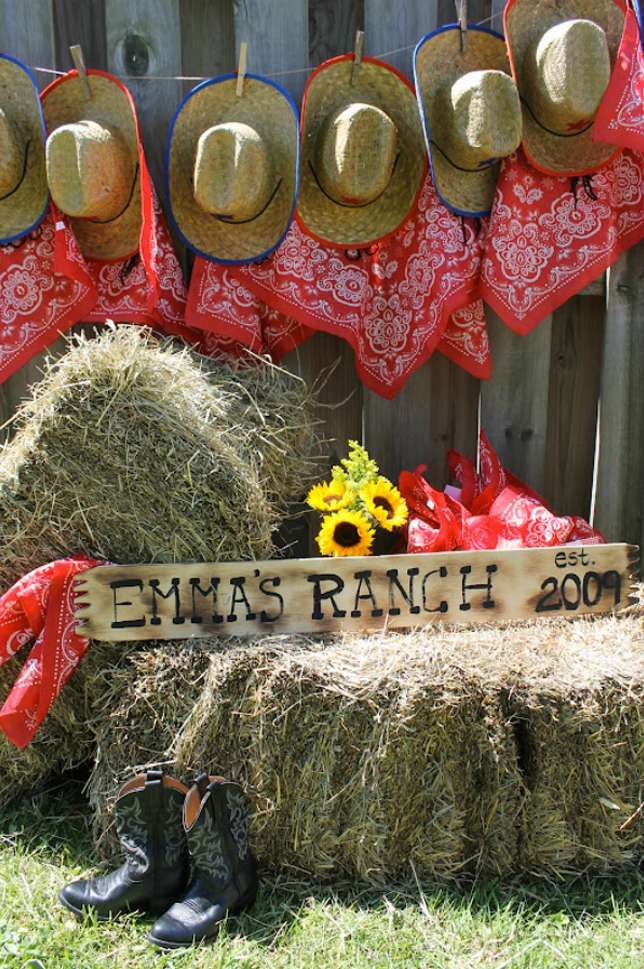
<point x="40" y="606"/>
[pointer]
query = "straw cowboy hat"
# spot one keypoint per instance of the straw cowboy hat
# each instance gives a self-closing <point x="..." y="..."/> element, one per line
<point x="562" y="53"/>
<point x="93" y="162"/>
<point x="471" y="113"/>
<point x="231" y="168"/>
<point x="23" y="184"/>
<point x="362" y="152"/>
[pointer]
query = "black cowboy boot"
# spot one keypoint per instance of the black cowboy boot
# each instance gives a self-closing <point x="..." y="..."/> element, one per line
<point x="157" y="864"/>
<point x="224" y="882"/>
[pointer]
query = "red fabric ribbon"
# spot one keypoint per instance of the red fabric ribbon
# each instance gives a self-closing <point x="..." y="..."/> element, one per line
<point x="394" y="303"/>
<point x="549" y="237"/>
<point x="40" y="606"/>
<point x="495" y="510"/>
<point x="620" y="118"/>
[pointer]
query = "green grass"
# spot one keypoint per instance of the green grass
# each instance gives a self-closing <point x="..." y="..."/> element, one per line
<point x="592" y="925"/>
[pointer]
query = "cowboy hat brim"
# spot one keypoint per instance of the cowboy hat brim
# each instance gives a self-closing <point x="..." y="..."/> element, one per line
<point x="23" y="207"/>
<point x="439" y="61"/>
<point x="66" y="102"/>
<point x="328" y="89"/>
<point x="269" y="109"/>
<point x="525" y="21"/>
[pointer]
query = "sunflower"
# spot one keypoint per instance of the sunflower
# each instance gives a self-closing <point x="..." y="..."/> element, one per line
<point x="384" y="503"/>
<point x="345" y="533"/>
<point x="329" y="496"/>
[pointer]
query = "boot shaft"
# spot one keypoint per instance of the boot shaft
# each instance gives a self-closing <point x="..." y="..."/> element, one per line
<point x="216" y="823"/>
<point x="149" y="823"/>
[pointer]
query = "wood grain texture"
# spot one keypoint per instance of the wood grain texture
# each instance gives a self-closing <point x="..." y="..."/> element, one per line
<point x="207" y="39"/>
<point x="84" y="24"/>
<point x="143" y="37"/>
<point x="436" y="410"/>
<point x="332" y="27"/>
<point x="277" y="34"/>
<point x="575" y="367"/>
<point x="389" y="26"/>
<point x="619" y="508"/>
<point x="514" y="403"/>
<point x="139" y="602"/>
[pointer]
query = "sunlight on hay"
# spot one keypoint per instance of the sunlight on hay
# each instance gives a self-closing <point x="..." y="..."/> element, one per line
<point x="457" y="750"/>
<point x="134" y="452"/>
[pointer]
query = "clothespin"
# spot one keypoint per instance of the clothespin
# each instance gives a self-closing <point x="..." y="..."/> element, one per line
<point x="241" y="68"/>
<point x="462" y="23"/>
<point x="357" y="55"/>
<point x="79" y="63"/>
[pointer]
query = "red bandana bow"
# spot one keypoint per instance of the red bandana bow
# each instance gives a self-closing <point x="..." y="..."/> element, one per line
<point x="492" y="509"/>
<point x="620" y="118"/>
<point x="549" y="236"/>
<point x="392" y="302"/>
<point x="40" y="606"/>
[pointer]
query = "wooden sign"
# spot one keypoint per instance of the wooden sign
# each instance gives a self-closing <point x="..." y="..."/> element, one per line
<point x="134" y="602"/>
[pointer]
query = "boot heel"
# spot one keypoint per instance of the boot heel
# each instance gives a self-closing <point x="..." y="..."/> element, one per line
<point x="245" y="902"/>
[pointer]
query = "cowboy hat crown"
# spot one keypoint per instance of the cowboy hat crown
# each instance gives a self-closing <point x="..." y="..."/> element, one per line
<point x="356" y="153"/>
<point x="568" y="70"/>
<point x="482" y="122"/>
<point x="233" y="175"/>
<point x="90" y="170"/>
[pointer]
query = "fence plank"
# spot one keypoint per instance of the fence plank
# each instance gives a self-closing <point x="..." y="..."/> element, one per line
<point x="619" y="508"/>
<point x="207" y="39"/>
<point x="514" y="403"/>
<point x="277" y="34"/>
<point x="143" y="37"/>
<point x="80" y="23"/>
<point x="575" y="366"/>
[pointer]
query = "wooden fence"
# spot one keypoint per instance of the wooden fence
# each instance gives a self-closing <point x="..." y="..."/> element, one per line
<point x="565" y="405"/>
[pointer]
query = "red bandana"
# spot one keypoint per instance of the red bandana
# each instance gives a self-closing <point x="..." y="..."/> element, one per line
<point x="392" y="301"/>
<point x="41" y="294"/>
<point x="40" y="606"/>
<point x="620" y="118"/>
<point x="46" y="286"/>
<point x="550" y="236"/>
<point x="492" y="509"/>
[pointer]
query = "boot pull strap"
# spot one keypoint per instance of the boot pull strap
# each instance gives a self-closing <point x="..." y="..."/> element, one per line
<point x="202" y="781"/>
<point x="153" y="778"/>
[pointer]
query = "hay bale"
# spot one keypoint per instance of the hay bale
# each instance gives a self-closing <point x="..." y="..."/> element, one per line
<point x="578" y="709"/>
<point x="462" y="752"/>
<point x="361" y="757"/>
<point x="136" y="452"/>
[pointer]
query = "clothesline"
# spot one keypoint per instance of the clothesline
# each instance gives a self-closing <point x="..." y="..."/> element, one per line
<point x="298" y="70"/>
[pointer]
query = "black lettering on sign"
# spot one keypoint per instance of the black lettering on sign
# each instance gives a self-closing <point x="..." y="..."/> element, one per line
<point x="613" y="580"/>
<point x="125" y="584"/>
<point x="319" y="595"/>
<point x="394" y="583"/>
<point x="597" y="591"/>
<point x="177" y="619"/>
<point x="239" y="596"/>
<point x="275" y="581"/>
<point x="571" y="600"/>
<point x="364" y="579"/>
<point x="196" y="616"/>
<point x="442" y="605"/>
<point x="550" y="586"/>
<point x="488" y="602"/>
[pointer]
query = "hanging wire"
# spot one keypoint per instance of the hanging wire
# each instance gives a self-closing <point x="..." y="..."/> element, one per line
<point x="194" y="77"/>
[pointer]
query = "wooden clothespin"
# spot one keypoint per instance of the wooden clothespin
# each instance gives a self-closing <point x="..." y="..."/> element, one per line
<point x="357" y="55"/>
<point x="79" y="63"/>
<point x="462" y="23"/>
<point x="241" y="68"/>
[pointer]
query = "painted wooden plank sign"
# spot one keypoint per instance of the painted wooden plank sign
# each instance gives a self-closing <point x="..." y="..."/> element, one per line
<point x="137" y="602"/>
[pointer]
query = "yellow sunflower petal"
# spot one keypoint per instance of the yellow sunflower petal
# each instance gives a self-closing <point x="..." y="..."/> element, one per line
<point x="329" y="496"/>
<point x="345" y="533"/>
<point x="384" y="503"/>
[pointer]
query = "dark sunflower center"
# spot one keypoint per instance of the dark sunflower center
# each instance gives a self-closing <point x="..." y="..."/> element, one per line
<point x="346" y="534"/>
<point x="381" y="502"/>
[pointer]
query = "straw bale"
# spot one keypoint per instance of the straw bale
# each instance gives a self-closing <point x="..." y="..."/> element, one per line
<point x="460" y="752"/>
<point x="135" y="451"/>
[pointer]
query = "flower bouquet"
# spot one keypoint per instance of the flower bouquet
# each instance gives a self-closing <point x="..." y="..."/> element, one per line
<point x="362" y="510"/>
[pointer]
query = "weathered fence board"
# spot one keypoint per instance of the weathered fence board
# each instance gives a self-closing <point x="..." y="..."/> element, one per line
<point x="540" y="408"/>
